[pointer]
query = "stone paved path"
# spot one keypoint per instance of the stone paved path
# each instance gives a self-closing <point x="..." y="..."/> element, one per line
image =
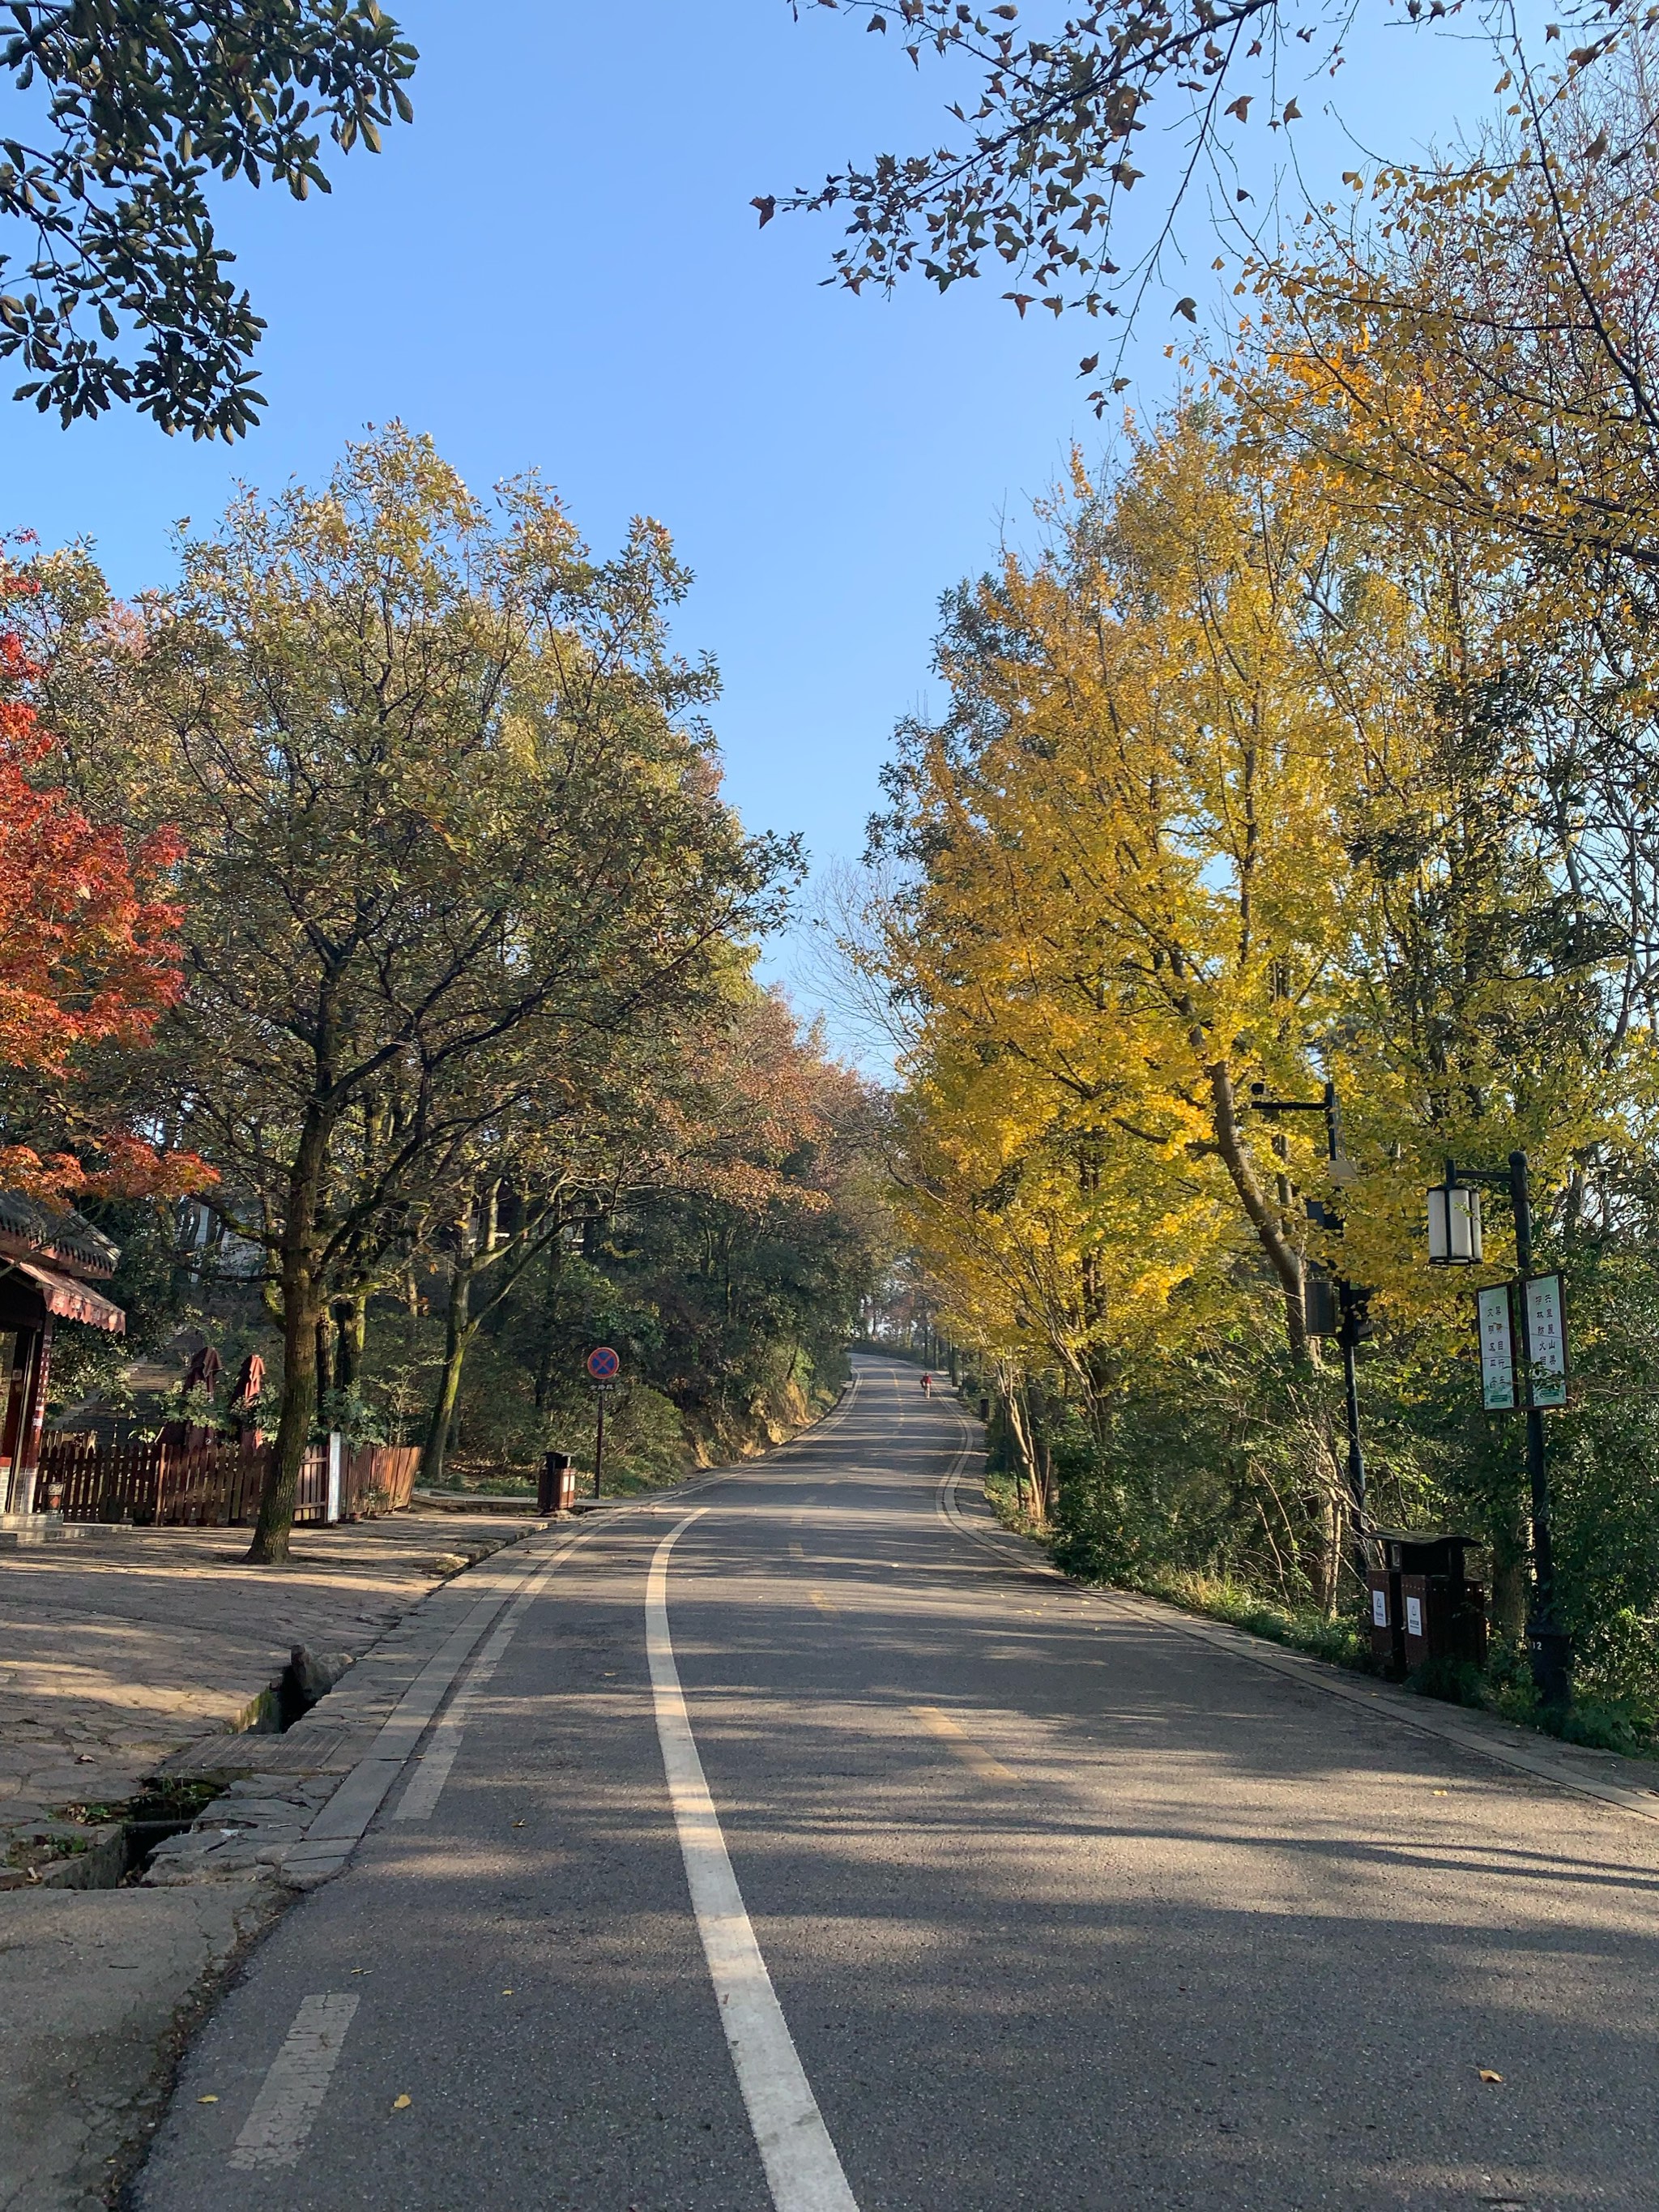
<point x="122" y="1645"/>
<point x="124" y="1651"/>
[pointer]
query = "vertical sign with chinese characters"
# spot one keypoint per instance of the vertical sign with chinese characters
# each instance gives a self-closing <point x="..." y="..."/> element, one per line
<point x="1547" y="1339"/>
<point x="1497" y="1348"/>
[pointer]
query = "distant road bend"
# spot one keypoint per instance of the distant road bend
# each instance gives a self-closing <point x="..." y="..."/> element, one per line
<point x="796" y="1851"/>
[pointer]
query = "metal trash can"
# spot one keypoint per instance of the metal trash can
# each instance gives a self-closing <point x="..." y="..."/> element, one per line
<point x="557" y="1491"/>
<point x="1424" y="1606"/>
<point x="1388" y="1620"/>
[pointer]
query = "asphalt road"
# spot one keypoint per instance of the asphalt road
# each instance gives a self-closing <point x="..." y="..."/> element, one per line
<point x="1060" y="1907"/>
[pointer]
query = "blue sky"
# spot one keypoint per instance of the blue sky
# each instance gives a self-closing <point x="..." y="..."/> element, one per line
<point x="557" y="267"/>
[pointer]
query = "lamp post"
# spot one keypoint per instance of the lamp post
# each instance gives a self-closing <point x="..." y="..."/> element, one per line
<point x="1351" y="1301"/>
<point x="1455" y="1240"/>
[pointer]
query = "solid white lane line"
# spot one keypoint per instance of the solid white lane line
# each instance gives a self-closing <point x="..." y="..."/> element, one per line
<point x="425" y="1786"/>
<point x="420" y="1798"/>
<point x="802" y="2170"/>
<point x="945" y="1493"/>
<point x="292" y="2091"/>
<point x="344" y="1820"/>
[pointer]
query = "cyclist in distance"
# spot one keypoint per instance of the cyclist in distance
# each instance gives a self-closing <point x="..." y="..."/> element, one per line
<point x="927" y="1386"/>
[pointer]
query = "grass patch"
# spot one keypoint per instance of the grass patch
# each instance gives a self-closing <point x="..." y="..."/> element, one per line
<point x="1342" y="1642"/>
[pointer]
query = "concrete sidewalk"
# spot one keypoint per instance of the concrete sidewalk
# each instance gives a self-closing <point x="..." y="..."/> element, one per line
<point x="122" y="1645"/>
<point x="123" y="1652"/>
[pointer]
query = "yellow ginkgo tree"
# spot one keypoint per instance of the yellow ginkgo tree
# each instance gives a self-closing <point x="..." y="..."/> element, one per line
<point x="1133" y="898"/>
<point x="1241" y="791"/>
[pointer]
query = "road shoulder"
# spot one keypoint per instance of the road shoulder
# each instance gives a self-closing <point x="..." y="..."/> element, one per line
<point x="1628" y="1785"/>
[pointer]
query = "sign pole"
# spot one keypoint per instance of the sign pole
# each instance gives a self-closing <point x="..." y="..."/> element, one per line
<point x="1353" y="1312"/>
<point x="603" y="1365"/>
<point x="1544" y="1631"/>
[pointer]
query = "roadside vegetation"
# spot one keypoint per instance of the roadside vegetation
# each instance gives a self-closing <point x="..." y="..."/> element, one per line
<point x="1315" y="743"/>
<point x="429" y="1052"/>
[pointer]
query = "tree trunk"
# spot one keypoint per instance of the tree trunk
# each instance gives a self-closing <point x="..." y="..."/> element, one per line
<point x="1509" y="1574"/>
<point x="544" y="1358"/>
<point x="1333" y="1524"/>
<point x="351" y="1331"/>
<point x="1045" y="1475"/>
<point x="275" y="1526"/>
<point x="302" y="1321"/>
<point x="1025" y="1470"/>
<point x="457" y="1333"/>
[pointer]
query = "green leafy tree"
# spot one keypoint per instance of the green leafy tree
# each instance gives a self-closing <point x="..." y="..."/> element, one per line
<point x="452" y="815"/>
<point x="129" y="108"/>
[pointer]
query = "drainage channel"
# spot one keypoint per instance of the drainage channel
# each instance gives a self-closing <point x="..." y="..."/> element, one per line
<point x="106" y="1845"/>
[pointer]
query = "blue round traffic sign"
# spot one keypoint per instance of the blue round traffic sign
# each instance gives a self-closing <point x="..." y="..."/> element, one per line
<point x="603" y="1364"/>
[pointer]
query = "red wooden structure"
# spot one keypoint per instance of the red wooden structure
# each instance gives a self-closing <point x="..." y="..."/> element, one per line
<point x="184" y="1478"/>
<point x="207" y="1481"/>
<point x="48" y="1263"/>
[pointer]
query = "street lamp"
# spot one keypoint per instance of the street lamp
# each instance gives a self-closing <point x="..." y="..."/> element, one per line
<point x="1454" y="1223"/>
<point x="1454" y="1241"/>
<point x="1351" y="1301"/>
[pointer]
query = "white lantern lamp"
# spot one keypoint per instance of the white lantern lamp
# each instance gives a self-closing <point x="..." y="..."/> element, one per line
<point x="1454" y="1223"/>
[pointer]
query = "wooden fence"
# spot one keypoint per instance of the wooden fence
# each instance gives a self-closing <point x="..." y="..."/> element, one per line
<point x="379" y="1479"/>
<point x="202" y="1479"/>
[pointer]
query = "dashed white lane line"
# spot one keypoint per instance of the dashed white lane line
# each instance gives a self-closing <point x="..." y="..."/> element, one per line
<point x="420" y="1798"/>
<point x="802" y="2170"/>
<point x="293" y="2090"/>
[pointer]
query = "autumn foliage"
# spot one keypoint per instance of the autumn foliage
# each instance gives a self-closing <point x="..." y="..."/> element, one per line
<point x="89" y="952"/>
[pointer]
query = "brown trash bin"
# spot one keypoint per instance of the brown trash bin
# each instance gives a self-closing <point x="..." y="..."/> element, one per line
<point x="1445" y="1618"/>
<point x="557" y="1491"/>
<point x="1388" y="1620"/>
<point x="1423" y="1607"/>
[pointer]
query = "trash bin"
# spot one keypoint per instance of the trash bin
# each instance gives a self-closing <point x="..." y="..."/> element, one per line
<point x="1388" y="1620"/>
<point x="557" y="1491"/>
<point x="1424" y="1606"/>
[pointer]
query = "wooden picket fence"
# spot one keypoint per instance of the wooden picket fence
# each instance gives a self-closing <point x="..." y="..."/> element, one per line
<point x="206" y="1480"/>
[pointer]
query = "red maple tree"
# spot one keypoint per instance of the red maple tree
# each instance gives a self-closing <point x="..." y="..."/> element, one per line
<point x="89" y="950"/>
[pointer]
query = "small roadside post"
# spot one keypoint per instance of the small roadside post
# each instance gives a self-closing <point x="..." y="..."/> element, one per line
<point x="603" y="1366"/>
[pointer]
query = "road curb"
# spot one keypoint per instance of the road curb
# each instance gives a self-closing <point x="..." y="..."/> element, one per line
<point x="1513" y="1748"/>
